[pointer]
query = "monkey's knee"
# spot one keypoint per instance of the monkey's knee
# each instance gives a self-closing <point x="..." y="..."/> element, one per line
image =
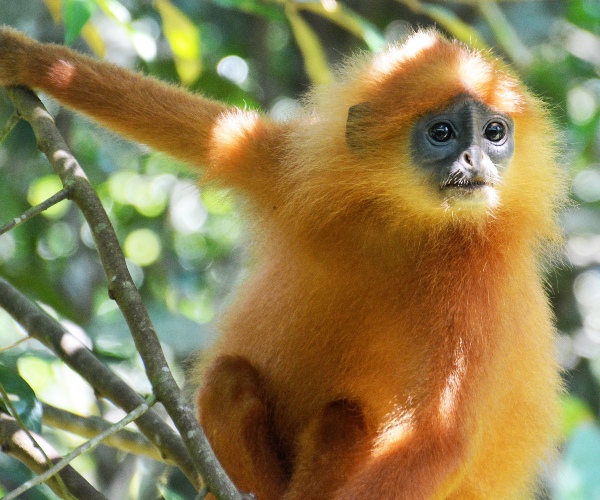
<point x="339" y="429"/>
<point x="232" y="404"/>
<point x="329" y="451"/>
<point x="230" y="380"/>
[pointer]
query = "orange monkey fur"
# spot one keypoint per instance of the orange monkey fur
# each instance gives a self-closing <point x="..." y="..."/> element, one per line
<point x="388" y="344"/>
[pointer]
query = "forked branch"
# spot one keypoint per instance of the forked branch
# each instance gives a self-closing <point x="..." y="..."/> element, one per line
<point x="124" y="292"/>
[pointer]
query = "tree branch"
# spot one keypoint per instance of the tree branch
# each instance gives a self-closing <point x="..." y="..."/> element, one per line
<point x="106" y="383"/>
<point x="84" y="448"/>
<point x="124" y="292"/>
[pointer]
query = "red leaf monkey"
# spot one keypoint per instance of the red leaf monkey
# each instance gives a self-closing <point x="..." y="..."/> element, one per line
<point x="394" y="339"/>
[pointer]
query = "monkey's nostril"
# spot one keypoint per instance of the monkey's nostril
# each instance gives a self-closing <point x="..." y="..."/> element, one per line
<point x="468" y="159"/>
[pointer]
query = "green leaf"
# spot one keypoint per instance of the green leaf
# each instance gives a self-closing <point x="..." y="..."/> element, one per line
<point x="454" y="25"/>
<point x="315" y="62"/>
<point x="575" y="412"/>
<point x="506" y="35"/>
<point x="264" y="9"/>
<point x="169" y="494"/>
<point x="76" y="14"/>
<point x="217" y="201"/>
<point x="349" y="20"/>
<point x="183" y="36"/>
<point x="22" y="398"/>
<point x="115" y="10"/>
<point x="363" y="28"/>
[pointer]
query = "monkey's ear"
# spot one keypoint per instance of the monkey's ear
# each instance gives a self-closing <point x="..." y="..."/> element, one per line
<point x="355" y="124"/>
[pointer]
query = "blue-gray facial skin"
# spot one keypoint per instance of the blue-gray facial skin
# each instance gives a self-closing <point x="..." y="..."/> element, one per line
<point x="464" y="148"/>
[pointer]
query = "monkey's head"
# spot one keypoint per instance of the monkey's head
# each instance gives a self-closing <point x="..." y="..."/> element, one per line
<point x="430" y="133"/>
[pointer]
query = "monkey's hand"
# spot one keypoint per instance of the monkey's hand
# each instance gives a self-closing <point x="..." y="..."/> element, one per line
<point x="14" y="50"/>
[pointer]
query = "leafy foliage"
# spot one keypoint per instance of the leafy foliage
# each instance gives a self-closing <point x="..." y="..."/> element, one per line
<point x="21" y="398"/>
<point x="76" y="14"/>
<point x="184" y="245"/>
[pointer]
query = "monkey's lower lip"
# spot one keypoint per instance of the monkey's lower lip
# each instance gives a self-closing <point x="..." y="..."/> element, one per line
<point x="466" y="186"/>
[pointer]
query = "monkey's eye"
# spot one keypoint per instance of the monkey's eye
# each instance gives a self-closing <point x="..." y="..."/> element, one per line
<point x="495" y="131"/>
<point x="441" y="132"/>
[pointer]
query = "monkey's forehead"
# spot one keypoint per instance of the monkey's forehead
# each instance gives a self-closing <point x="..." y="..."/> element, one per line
<point x="428" y="71"/>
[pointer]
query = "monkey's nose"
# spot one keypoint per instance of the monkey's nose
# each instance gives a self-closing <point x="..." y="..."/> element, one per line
<point x="472" y="159"/>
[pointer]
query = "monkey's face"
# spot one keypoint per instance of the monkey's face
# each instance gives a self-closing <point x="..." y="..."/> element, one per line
<point x="463" y="149"/>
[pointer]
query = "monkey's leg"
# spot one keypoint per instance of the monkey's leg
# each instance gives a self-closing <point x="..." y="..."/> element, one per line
<point x="234" y="413"/>
<point x="329" y="451"/>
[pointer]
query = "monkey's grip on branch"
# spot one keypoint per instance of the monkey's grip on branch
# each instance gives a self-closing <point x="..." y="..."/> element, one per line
<point x="124" y="292"/>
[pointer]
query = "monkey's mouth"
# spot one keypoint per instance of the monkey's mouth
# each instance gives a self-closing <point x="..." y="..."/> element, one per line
<point x="466" y="185"/>
<point x="463" y="193"/>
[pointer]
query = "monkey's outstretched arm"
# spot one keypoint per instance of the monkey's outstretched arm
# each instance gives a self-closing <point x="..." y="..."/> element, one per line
<point x="164" y="117"/>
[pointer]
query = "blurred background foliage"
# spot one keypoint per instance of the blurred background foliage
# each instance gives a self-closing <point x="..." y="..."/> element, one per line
<point x="185" y="246"/>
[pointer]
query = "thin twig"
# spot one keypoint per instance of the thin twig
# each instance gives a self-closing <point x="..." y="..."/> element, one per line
<point x="85" y="447"/>
<point x="16" y="443"/>
<point x="90" y="426"/>
<point x="14" y="344"/>
<point x="15" y="414"/>
<point x="63" y="194"/>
